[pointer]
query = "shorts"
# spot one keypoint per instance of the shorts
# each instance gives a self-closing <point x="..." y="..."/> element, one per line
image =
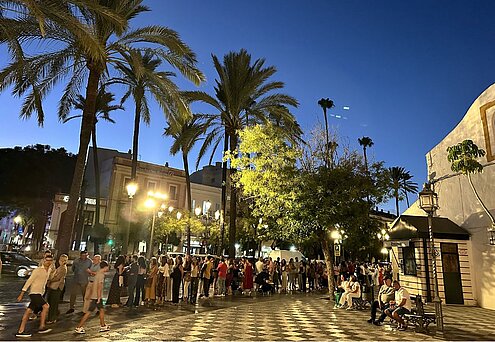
<point x="94" y="305"/>
<point x="401" y="311"/>
<point x="37" y="302"/>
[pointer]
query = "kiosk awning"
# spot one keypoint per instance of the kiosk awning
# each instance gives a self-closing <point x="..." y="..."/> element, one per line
<point x="407" y="227"/>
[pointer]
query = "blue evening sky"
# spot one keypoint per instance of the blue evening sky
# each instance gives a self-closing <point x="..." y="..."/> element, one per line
<point x="408" y="70"/>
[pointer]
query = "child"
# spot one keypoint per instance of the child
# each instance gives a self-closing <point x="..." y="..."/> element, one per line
<point x="96" y="300"/>
<point x="37" y="284"/>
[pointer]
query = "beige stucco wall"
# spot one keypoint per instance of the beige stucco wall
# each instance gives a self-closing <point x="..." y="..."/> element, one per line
<point x="456" y="198"/>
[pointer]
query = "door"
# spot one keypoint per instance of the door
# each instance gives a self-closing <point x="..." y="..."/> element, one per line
<point x="451" y="273"/>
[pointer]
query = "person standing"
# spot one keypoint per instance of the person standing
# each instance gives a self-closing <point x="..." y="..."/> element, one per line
<point x="168" y="281"/>
<point x="140" y="281"/>
<point x="176" y="276"/>
<point x="222" y="276"/>
<point x="194" y="280"/>
<point x="117" y="283"/>
<point x="247" y="284"/>
<point x="80" y="268"/>
<point x="284" y="271"/>
<point x="55" y="285"/>
<point x="151" y="281"/>
<point x="96" y="301"/>
<point x="132" y="280"/>
<point x="37" y="285"/>
<point x="161" y="280"/>
<point x="93" y="269"/>
<point x="187" y="278"/>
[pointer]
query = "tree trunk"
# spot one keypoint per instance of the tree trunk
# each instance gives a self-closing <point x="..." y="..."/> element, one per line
<point x="97" y="175"/>
<point x="481" y="202"/>
<point x="233" y="203"/>
<point x="397" y="204"/>
<point x="223" y="210"/>
<point x="327" y="249"/>
<point x="407" y="200"/>
<point x="87" y="122"/>
<point x="135" y="138"/>
<point x="188" y="201"/>
<point x="326" y="137"/>
<point x="365" y="160"/>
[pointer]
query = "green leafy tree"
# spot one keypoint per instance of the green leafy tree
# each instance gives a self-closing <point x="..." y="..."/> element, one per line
<point x="244" y="96"/>
<point x="464" y="159"/>
<point x="81" y="49"/>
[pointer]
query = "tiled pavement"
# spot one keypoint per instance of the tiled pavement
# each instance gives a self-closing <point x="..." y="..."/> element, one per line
<point x="285" y="317"/>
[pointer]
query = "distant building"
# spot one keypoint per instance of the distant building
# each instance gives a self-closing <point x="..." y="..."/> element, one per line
<point x="115" y="173"/>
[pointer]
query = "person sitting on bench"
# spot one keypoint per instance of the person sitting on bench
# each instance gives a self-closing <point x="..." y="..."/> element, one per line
<point x="354" y="292"/>
<point x="262" y="280"/>
<point x="385" y="295"/>
<point x="401" y="305"/>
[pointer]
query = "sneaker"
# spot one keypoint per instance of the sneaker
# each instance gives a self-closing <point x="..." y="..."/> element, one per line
<point x="105" y="328"/>
<point x="370" y="320"/>
<point x="69" y="311"/>
<point x="33" y="316"/>
<point x="23" y="334"/>
<point x="44" y="330"/>
<point x="80" y="330"/>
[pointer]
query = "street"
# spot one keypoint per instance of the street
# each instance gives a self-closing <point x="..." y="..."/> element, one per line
<point x="276" y="317"/>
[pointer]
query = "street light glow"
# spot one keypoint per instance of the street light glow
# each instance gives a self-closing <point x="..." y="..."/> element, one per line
<point x="179" y="215"/>
<point x="18" y="219"/>
<point x="237" y="246"/>
<point x="150" y="203"/>
<point x="207" y="205"/>
<point x="131" y="189"/>
<point x="197" y="211"/>
<point x="170" y="209"/>
<point x="217" y="214"/>
<point x="335" y="234"/>
<point x="384" y="250"/>
<point x="292" y="248"/>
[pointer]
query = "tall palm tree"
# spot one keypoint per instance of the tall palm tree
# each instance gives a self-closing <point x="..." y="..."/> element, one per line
<point x="243" y="95"/>
<point x="401" y="185"/>
<point x="186" y="132"/>
<point x="365" y="142"/>
<point x="83" y="58"/>
<point x="104" y="107"/>
<point x="463" y="158"/>
<point x="138" y="71"/>
<point x="326" y="104"/>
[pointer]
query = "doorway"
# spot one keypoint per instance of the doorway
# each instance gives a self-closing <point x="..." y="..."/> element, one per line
<point x="451" y="273"/>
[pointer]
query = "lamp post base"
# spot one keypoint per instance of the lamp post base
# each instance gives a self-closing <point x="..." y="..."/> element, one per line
<point x="438" y="313"/>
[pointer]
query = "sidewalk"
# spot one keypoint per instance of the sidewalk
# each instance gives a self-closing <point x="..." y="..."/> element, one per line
<point x="278" y="317"/>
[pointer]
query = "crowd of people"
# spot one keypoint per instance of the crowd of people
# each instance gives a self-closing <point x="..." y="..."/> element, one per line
<point x="175" y="278"/>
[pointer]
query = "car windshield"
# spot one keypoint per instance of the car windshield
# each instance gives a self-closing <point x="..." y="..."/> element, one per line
<point x="22" y="258"/>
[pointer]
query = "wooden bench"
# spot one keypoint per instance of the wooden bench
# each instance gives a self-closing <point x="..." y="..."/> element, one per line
<point x="418" y="317"/>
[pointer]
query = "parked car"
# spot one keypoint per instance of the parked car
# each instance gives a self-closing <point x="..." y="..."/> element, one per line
<point x="16" y="263"/>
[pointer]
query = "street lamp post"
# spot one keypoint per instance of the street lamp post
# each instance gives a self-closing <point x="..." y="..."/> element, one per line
<point x="131" y="191"/>
<point x="383" y="235"/>
<point x="150" y="203"/>
<point x="428" y="201"/>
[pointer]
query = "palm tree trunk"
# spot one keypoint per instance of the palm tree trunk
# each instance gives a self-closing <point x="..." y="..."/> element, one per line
<point x="135" y="138"/>
<point x="407" y="199"/>
<point x="365" y="160"/>
<point x="87" y="123"/>
<point x="233" y="203"/>
<point x="326" y="136"/>
<point x="188" y="200"/>
<point x="480" y="201"/>
<point x="397" y="203"/>
<point x="223" y="209"/>
<point x="97" y="175"/>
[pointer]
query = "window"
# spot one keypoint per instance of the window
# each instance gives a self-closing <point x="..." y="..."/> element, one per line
<point x="151" y="186"/>
<point x="409" y="260"/>
<point x="172" y="192"/>
<point x="88" y="217"/>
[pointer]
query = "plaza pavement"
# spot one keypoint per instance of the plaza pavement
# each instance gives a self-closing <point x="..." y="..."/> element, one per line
<point x="279" y="317"/>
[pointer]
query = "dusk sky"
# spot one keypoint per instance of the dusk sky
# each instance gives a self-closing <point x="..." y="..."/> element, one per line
<point x="408" y="70"/>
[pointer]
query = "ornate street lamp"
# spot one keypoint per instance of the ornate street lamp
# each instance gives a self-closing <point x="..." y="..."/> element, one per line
<point x="131" y="188"/>
<point x="428" y="201"/>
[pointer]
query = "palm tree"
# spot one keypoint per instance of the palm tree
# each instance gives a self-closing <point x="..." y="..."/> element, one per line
<point x="84" y="58"/>
<point x="463" y="158"/>
<point x="326" y="104"/>
<point x="243" y="96"/>
<point x="138" y="71"/>
<point x="401" y="185"/>
<point x="103" y="110"/>
<point x="186" y="133"/>
<point x="365" y="142"/>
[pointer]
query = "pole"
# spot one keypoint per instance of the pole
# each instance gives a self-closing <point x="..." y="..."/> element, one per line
<point x="437" y="301"/>
<point x="150" y="249"/>
<point x="127" y="231"/>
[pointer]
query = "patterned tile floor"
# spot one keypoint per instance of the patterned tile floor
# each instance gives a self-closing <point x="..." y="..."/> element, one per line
<point x="280" y="317"/>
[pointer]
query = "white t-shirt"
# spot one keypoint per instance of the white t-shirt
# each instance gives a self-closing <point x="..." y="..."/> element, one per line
<point x="400" y="294"/>
<point x="355" y="286"/>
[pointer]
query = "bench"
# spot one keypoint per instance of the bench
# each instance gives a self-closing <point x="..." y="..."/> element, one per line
<point x="418" y="317"/>
<point x="360" y="303"/>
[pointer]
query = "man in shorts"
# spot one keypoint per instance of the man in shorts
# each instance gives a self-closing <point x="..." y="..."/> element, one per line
<point x="96" y="300"/>
<point x="401" y="305"/>
<point x="37" y="284"/>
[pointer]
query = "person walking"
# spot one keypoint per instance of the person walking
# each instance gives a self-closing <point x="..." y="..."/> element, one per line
<point x="117" y="283"/>
<point x="96" y="301"/>
<point x="55" y="285"/>
<point x="37" y="284"/>
<point x="93" y="269"/>
<point x="80" y="268"/>
<point x="132" y="276"/>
